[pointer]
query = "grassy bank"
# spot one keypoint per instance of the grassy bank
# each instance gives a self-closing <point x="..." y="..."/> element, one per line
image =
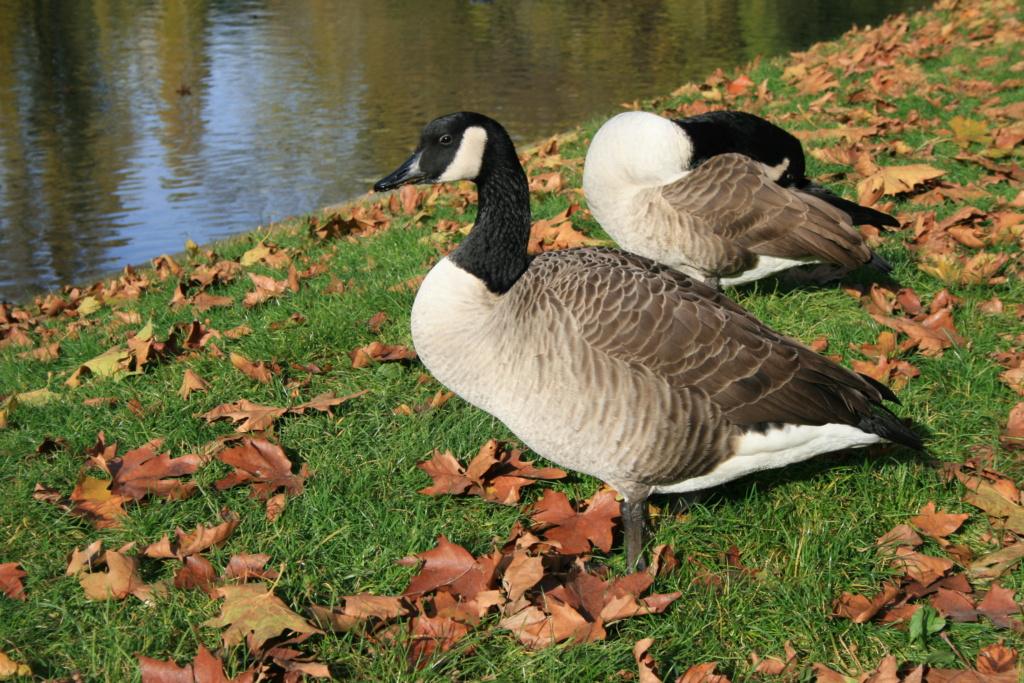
<point x="923" y="115"/>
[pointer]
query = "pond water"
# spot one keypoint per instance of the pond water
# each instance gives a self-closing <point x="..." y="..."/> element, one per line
<point x="127" y="126"/>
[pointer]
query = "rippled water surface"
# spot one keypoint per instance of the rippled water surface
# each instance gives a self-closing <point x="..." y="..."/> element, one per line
<point x="128" y="126"/>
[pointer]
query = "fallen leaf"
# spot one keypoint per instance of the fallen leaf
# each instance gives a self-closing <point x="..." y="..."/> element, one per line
<point x="252" y="613"/>
<point x="263" y="464"/>
<point x="258" y="371"/>
<point x="645" y="662"/>
<point x="191" y="382"/>
<point x="497" y="473"/>
<point x="94" y="500"/>
<point x="205" y="668"/>
<point x="11" y="575"/>
<point x="142" y="472"/>
<point x="190" y="543"/>
<point x="248" y="416"/>
<point x="860" y="609"/>
<point x="87" y="559"/>
<point x="119" y="581"/>
<point x="577" y="531"/>
<point x="451" y="566"/>
<point x="378" y="352"/>
<point x="324" y="402"/>
<point x="275" y="506"/>
<point x="244" y="567"/>
<point x="196" y="572"/>
<point x="893" y="180"/>
<point x="9" y="668"/>
<point x="988" y="498"/>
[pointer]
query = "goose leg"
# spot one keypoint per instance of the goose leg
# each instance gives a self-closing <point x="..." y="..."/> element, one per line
<point x="634" y="522"/>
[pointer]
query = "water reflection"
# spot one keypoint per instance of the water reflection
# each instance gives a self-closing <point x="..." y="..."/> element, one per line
<point x="127" y="125"/>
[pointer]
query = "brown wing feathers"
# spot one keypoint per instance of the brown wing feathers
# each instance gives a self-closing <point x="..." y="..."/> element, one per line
<point x="699" y="341"/>
<point x="739" y="207"/>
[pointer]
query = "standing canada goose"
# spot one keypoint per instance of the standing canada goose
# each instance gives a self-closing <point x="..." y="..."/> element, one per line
<point x="722" y="196"/>
<point x="609" y="363"/>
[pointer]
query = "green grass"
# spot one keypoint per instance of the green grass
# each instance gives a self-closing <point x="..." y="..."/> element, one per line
<point x="803" y="529"/>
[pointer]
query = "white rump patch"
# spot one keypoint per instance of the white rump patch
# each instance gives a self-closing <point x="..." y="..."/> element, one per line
<point x="766" y="265"/>
<point x="778" y="447"/>
<point x="468" y="158"/>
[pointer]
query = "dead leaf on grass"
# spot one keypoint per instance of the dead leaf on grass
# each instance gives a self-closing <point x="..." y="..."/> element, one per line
<point x="497" y="473"/>
<point x="252" y="613"/>
<point x="120" y="580"/>
<point x="11" y="575"/>
<point x="262" y="463"/>
<point x="377" y="352"/>
<point x="192" y="542"/>
<point x="191" y="382"/>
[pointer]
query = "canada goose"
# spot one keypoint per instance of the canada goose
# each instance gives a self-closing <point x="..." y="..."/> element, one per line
<point x="722" y="196"/>
<point x="609" y="363"/>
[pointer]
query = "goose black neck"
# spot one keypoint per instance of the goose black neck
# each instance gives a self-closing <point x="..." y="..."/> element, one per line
<point x="495" y="249"/>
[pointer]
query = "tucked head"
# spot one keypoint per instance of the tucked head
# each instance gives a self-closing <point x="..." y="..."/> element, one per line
<point x="450" y="148"/>
<point x="639" y="148"/>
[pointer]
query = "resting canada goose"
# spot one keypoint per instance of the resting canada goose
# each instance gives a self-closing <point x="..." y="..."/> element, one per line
<point x="722" y="196"/>
<point x="611" y="364"/>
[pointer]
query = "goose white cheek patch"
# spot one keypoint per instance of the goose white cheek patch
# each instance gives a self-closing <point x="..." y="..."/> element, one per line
<point x="775" y="172"/>
<point x="469" y="157"/>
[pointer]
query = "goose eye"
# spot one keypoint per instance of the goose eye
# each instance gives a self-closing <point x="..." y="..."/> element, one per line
<point x="445" y="139"/>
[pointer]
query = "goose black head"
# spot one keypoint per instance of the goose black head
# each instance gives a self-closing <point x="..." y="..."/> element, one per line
<point x="450" y="148"/>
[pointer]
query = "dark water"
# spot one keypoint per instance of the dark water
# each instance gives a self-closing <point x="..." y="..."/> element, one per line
<point x="127" y="126"/>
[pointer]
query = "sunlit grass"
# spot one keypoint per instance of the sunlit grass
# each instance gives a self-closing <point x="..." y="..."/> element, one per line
<point x="806" y="530"/>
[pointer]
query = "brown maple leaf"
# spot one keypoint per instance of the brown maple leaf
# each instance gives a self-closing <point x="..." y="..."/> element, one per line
<point x="861" y="609"/>
<point x="191" y="382"/>
<point x="451" y="566"/>
<point x="893" y="180"/>
<point x="142" y="472"/>
<point x="192" y="542"/>
<point x="89" y="558"/>
<point x="263" y="464"/>
<point x="120" y="580"/>
<point x="993" y="565"/>
<point x="990" y="499"/>
<point x="939" y="525"/>
<point x="1013" y="435"/>
<point x="250" y="417"/>
<point x="266" y="288"/>
<point x="205" y="668"/>
<point x="243" y="567"/>
<point x="324" y="402"/>
<point x="648" y="668"/>
<point x="258" y="371"/>
<point x="997" y="659"/>
<point x="252" y="613"/>
<point x="11" y="575"/>
<point x="363" y="611"/>
<point x="93" y="499"/>
<point x="204" y="302"/>
<point x="423" y="637"/>
<point x="196" y="572"/>
<point x="377" y="352"/>
<point x="577" y="530"/>
<point x="497" y="473"/>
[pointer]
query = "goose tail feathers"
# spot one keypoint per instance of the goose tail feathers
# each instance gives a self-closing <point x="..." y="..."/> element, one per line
<point x="884" y="423"/>
<point x="859" y="215"/>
